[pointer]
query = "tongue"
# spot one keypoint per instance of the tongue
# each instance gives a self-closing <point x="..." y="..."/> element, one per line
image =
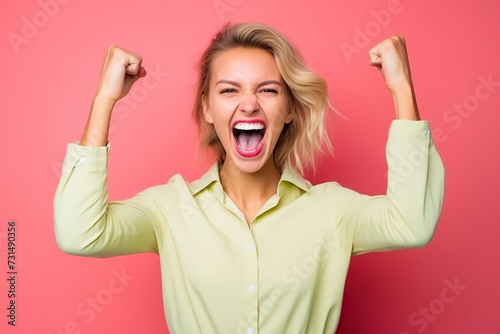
<point x="249" y="141"/>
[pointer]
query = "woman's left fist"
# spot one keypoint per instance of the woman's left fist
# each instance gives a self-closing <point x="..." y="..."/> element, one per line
<point x="391" y="58"/>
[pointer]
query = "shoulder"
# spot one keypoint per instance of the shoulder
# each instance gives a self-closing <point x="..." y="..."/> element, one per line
<point x="175" y="185"/>
<point x="333" y="190"/>
<point x="166" y="195"/>
<point x="179" y="188"/>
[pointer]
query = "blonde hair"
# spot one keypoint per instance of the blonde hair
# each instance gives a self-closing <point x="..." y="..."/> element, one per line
<point x="305" y="135"/>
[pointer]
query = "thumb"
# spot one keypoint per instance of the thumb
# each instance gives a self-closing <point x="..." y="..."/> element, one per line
<point x="136" y="74"/>
<point x="132" y="74"/>
<point x="131" y="79"/>
<point x="375" y="58"/>
<point x="134" y="68"/>
<point x="142" y="72"/>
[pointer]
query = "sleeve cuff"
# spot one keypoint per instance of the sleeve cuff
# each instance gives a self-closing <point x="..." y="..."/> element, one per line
<point x="86" y="156"/>
<point x="402" y="128"/>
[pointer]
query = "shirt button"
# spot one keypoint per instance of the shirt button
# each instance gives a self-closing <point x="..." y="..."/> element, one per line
<point x="427" y="132"/>
<point x="82" y="159"/>
<point x="251" y="287"/>
<point x="250" y="247"/>
<point x="251" y="330"/>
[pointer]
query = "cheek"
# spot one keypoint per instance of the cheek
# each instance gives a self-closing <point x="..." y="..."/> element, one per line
<point x="222" y="111"/>
<point x="221" y="106"/>
<point x="220" y="118"/>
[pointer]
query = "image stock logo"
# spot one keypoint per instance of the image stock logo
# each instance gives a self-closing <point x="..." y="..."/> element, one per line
<point x="291" y="278"/>
<point x="408" y="163"/>
<point x="436" y="307"/>
<point x="138" y="93"/>
<point x="221" y="7"/>
<point x="460" y="111"/>
<point x="94" y="304"/>
<point x="30" y="27"/>
<point x="363" y="35"/>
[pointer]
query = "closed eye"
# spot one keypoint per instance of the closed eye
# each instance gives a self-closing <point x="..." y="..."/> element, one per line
<point x="269" y="91"/>
<point x="227" y="90"/>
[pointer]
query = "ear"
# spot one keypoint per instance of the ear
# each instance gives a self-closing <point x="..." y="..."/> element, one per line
<point x="206" y="110"/>
<point x="289" y="116"/>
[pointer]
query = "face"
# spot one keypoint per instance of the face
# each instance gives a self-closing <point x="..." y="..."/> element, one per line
<point x="247" y="104"/>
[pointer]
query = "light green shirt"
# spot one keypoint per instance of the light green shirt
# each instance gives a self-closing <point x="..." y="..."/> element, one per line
<point x="282" y="273"/>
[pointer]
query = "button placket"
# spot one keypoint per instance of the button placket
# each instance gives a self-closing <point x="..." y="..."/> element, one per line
<point x="251" y="280"/>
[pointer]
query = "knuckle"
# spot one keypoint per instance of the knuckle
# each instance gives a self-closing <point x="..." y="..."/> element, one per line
<point x="110" y="49"/>
<point x="398" y="39"/>
<point x="114" y="51"/>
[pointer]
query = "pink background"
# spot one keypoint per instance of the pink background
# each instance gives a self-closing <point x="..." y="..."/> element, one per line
<point x="51" y="54"/>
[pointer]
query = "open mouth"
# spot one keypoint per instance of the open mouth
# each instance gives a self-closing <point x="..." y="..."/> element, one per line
<point x="249" y="137"/>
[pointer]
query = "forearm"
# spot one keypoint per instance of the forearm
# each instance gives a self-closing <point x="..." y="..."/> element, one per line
<point x="97" y="128"/>
<point x="405" y="102"/>
<point x="391" y="58"/>
<point x="120" y="70"/>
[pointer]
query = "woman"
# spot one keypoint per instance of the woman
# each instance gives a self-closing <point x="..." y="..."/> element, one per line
<point x="252" y="247"/>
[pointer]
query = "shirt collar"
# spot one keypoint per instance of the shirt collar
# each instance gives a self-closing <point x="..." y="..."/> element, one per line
<point x="211" y="176"/>
<point x="291" y="176"/>
<point x="211" y="179"/>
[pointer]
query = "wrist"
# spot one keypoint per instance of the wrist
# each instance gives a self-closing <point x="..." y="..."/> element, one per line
<point x="102" y="103"/>
<point x="400" y="86"/>
<point x="405" y="102"/>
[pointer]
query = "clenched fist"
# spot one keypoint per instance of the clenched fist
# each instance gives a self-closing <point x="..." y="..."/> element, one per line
<point x="391" y="58"/>
<point x="121" y="69"/>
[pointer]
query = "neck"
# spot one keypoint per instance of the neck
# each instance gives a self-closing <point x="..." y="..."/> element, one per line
<point x="250" y="191"/>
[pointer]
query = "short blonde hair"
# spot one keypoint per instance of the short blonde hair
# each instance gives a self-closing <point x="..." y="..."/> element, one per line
<point x="305" y="135"/>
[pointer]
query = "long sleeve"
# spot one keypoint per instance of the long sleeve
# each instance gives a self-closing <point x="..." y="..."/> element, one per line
<point x="85" y="223"/>
<point x="407" y="215"/>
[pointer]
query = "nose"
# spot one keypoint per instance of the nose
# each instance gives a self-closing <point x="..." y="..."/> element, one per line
<point x="249" y="103"/>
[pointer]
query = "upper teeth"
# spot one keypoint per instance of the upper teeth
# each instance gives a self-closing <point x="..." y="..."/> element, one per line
<point x="249" y="126"/>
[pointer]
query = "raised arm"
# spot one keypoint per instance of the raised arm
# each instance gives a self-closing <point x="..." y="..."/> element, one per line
<point x="391" y="58"/>
<point x="407" y="215"/>
<point x="121" y="69"/>
<point x="85" y="223"/>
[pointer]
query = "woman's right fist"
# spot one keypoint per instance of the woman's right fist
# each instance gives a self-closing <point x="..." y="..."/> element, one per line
<point x="121" y="69"/>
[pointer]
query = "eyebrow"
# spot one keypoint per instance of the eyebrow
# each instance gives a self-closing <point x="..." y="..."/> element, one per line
<point x="234" y="83"/>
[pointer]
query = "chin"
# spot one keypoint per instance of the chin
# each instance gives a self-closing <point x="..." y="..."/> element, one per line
<point x="249" y="166"/>
<point x="254" y="164"/>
